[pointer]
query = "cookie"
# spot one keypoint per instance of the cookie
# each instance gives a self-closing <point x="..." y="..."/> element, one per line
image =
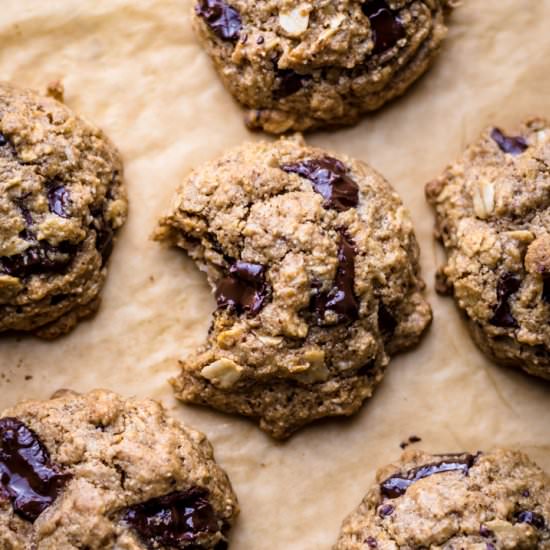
<point x="61" y="200"/>
<point x="314" y="265"/>
<point x="494" y="501"/>
<point x="301" y="65"/>
<point x="493" y="217"/>
<point x="101" y="472"/>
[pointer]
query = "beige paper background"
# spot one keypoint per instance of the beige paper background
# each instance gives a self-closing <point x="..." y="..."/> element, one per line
<point x="134" y="68"/>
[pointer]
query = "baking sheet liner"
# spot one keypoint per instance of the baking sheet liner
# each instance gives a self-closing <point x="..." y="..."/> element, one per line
<point x="134" y="68"/>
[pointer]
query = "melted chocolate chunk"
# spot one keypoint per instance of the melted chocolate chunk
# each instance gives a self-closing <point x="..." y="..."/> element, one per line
<point x="3" y="140"/>
<point x="223" y="19"/>
<point x="330" y="179"/>
<point x="397" y="485"/>
<point x="39" y="258"/>
<point x="508" y="285"/>
<point x="290" y="82"/>
<point x="386" y="27"/>
<point x="546" y="288"/>
<point x="174" y="521"/>
<point x="385" y="510"/>
<point x="341" y="298"/>
<point x="244" y="289"/>
<point x="371" y="542"/>
<point x="531" y="518"/>
<point x="485" y="532"/>
<point x="508" y="144"/>
<point x="386" y="321"/>
<point x="59" y="200"/>
<point x="28" y="477"/>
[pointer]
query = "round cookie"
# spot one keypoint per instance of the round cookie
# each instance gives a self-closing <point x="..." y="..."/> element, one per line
<point x="100" y="472"/>
<point x="314" y="264"/>
<point x="493" y="217"/>
<point x="299" y="65"/>
<point x="493" y="501"/>
<point x="61" y="199"/>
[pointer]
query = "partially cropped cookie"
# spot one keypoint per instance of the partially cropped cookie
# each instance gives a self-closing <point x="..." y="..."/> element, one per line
<point x="100" y="472"/>
<point x="298" y="65"/>
<point x="485" y="501"/>
<point x="61" y="200"/>
<point x="314" y="265"/>
<point x="493" y="217"/>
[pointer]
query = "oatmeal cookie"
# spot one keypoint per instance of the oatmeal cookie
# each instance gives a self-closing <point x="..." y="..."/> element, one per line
<point x="61" y="200"/>
<point x="101" y="472"/>
<point x="494" y="501"/>
<point x="298" y="65"/>
<point x="493" y="217"/>
<point x="314" y="265"/>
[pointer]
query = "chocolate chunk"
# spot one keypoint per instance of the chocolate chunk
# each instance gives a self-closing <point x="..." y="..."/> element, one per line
<point x="39" y="258"/>
<point x="507" y="144"/>
<point x="386" y="27"/>
<point x="508" y="285"/>
<point x="104" y="240"/>
<point x="531" y="518"/>
<point x="244" y="289"/>
<point x="58" y="200"/>
<point x="3" y="140"/>
<point x="490" y="546"/>
<point x="28" y="477"/>
<point x="176" y="521"/>
<point x="223" y="19"/>
<point x="330" y="179"/>
<point x="385" y="510"/>
<point x="341" y="298"/>
<point x="25" y="212"/>
<point x="397" y="485"/>
<point x="386" y="321"/>
<point x="485" y="532"/>
<point x="546" y="288"/>
<point x="371" y="542"/>
<point x="289" y="82"/>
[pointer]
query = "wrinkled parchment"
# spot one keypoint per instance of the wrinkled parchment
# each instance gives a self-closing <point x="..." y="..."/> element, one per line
<point x="134" y="68"/>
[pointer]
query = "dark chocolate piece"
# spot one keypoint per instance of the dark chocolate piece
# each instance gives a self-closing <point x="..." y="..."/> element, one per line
<point x="513" y="145"/>
<point x="385" y="24"/>
<point x="546" y="288"/>
<point x="341" y="298"/>
<point x="386" y="321"/>
<point x="28" y="477"/>
<point x="330" y="179"/>
<point x="59" y="200"/>
<point x="397" y="485"/>
<point x="176" y="521"/>
<point x="531" y="518"/>
<point x="508" y="285"/>
<point x="223" y="19"/>
<point x="37" y="259"/>
<point x="385" y="510"/>
<point x="3" y="140"/>
<point x="371" y="542"/>
<point x="244" y="289"/>
<point x="290" y="82"/>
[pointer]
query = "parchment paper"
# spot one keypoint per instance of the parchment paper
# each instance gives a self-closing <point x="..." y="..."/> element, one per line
<point x="134" y="68"/>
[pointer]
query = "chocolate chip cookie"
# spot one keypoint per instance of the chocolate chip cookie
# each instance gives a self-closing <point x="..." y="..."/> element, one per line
<point x="493" y="217"/>
<point x="314" y="265"/>
<point x="101" y="472"/>
<point x="299" y="65"/>
<point x="61" y="200"/>
<point x="498" y="500"/>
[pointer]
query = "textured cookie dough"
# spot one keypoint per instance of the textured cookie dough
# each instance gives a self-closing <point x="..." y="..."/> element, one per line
<point x="494" y="501"/>
<point x="493" y="217"/>
<point x="299" y="65"/>
<point x="61" y="199"/>
<point x="100" y="472"/>
<point x="315" y="269"/>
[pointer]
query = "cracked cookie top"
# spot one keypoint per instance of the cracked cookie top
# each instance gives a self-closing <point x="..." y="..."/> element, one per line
<point x="61" y="199"/>
<point x="101" y="472"/>
<point x="493" y="217"/>
<point x="297" y="65"/>
<point x="314" y="266"/>
<point x="483" y="501"/>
